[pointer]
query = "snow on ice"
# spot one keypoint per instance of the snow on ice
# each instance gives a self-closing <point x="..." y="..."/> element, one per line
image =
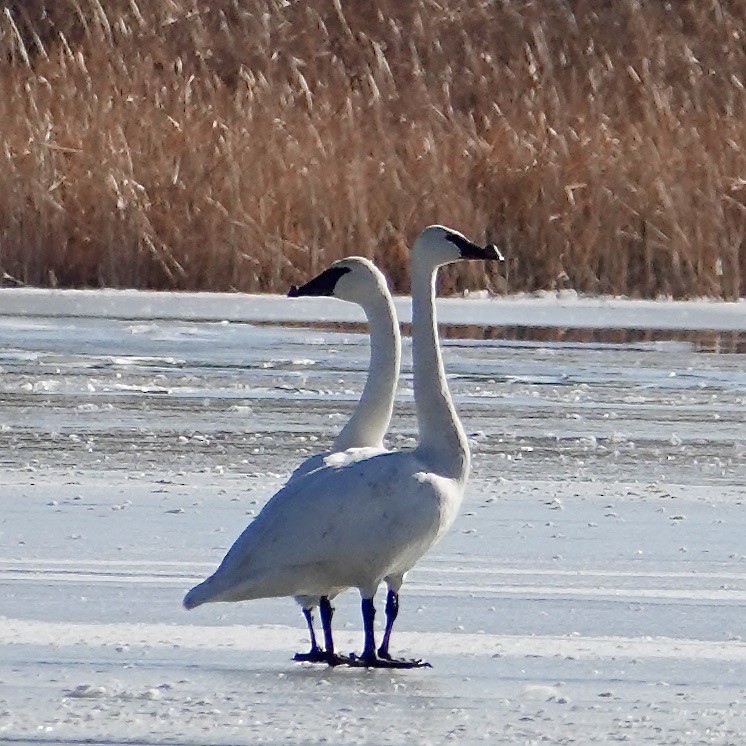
<point x="592" y="590"/>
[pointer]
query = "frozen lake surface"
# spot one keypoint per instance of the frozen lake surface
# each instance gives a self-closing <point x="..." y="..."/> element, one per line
<point x="592" y="590"/>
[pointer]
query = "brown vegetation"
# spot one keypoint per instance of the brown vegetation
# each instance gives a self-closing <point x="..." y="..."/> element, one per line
<point x="217" y="144"/>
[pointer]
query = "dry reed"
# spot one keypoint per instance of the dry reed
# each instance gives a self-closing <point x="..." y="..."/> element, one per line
<point x="219" y="144"/>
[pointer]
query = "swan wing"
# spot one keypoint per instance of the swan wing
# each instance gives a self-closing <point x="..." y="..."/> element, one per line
<point x="310" y="464"/>
<point x="335" y="527"/>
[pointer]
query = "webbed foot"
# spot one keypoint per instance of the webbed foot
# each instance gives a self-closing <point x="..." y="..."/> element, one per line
<point x="337" y="660"/>
<point x="374" y="660"/>
<point x="314" y="655"/>
<point x="318" y="655"/>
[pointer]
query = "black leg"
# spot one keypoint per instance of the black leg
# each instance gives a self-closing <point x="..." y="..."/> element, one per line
<point x="372" y="659"/>
<point x="392" y="611"/>
<point x="315" y="654"/>
<point x="327" y="612"/>
<point x="308" y="614"/>
<point x="369" y="616"/>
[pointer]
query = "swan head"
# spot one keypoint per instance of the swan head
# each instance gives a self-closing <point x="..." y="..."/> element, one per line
<point x="439" y="245"/>
<point x="354" y="279"/>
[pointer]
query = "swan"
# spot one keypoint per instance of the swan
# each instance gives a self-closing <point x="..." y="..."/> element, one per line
<point x="370" y="519"/>
<point x="357" y="280"/>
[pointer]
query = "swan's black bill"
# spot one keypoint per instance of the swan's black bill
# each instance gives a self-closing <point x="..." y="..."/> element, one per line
<point x="322" y="284"/>
<point x="470" y="250"/>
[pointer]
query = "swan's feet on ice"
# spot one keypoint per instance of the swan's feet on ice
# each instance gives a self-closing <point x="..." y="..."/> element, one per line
<point x="338" y="660"/>
<point x="374" y="660"/>
<point x="321" y="656"/>
<point x="314" y="655"/>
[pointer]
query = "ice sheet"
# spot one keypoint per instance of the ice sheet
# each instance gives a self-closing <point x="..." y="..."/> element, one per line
<point x="592" y="590"/>
<point x="562" y="309"/>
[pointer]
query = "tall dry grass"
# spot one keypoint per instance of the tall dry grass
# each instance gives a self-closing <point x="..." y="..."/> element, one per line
<point x="221" y="144"/>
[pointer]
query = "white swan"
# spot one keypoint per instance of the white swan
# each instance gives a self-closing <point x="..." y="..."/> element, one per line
<point x="372" y="519"/>
<point x="357" y="280"/>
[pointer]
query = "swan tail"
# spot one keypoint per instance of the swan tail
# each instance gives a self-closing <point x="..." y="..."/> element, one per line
<point x="224" y="586"/>
<point x="203" y="593"/>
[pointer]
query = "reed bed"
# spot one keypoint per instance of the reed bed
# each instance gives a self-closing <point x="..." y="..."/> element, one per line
<point x="218" y="144"/>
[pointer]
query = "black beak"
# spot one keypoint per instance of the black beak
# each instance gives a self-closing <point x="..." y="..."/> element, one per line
<point x="471" y="250"/>
<point x="493" y="253"/>
<point x="322" y="284"/>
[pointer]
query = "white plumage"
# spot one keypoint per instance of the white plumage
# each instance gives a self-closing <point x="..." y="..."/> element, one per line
<point x="361" y="522"/>
<point x="334" y="528"/>
<point x="357" y="280"/>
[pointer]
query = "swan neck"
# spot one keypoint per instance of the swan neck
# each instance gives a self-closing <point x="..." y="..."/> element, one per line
<point x="371" y="418"/>
<point x="442" y="441"/>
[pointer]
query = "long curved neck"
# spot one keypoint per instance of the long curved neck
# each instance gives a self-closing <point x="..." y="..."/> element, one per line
<point x="371" y="417"/>
<point x="443" y="445"/>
